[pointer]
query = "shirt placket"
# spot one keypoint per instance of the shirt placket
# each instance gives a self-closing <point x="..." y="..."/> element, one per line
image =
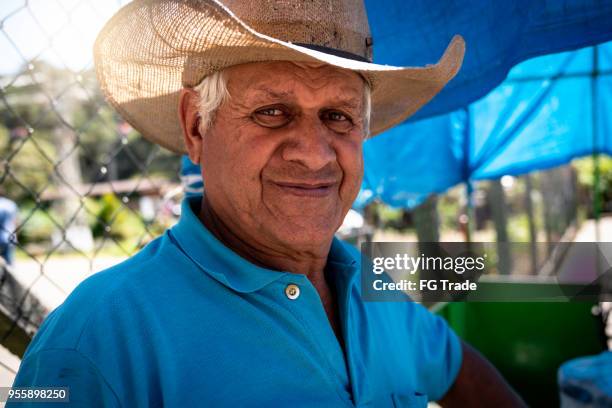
<point x="304" y="303"/>
<point x="344" y="279"/>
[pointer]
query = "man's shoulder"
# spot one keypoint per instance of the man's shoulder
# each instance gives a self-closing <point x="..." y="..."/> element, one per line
<point x="100" y="298"/>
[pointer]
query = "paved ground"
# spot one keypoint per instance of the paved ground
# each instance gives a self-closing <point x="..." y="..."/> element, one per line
<point x="54" y="280"/>
<point x="587" y="231"/>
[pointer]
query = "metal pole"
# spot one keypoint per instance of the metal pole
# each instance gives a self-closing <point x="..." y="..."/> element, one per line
<point x="533" y="238"/>
<point x="469" y="187"/>
<point x="469" y="224"/>
<point x="594" y="124"/>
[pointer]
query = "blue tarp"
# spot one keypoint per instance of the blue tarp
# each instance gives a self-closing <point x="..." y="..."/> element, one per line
<point x="539" y="117"/>
<point x="498" y="34"/>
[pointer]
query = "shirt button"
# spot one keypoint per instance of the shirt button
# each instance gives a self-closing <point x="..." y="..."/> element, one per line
<point x="292" y="291"/>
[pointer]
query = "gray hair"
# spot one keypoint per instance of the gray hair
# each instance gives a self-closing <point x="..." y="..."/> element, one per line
<point x="212" y="91"/>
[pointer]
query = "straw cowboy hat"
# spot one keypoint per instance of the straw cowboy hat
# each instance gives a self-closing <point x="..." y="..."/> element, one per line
<point x="151" y="49"/>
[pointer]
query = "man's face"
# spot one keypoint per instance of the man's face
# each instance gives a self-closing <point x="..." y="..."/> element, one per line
<point x="283" y="156"/>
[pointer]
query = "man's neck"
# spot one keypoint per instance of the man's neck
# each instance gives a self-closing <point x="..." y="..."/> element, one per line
<point x="310" y="263"/>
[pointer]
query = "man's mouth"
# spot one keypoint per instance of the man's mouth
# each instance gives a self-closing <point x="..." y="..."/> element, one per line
<point x="315" y="189"/>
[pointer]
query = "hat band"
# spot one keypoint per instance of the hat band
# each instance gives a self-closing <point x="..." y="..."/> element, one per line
<point x="333" y="51"/>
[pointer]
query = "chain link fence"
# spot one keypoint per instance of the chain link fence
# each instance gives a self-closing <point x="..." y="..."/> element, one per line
<point x="89" y="191"/>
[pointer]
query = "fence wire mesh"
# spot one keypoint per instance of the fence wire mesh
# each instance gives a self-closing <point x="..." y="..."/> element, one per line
<point x="89" y="190"/>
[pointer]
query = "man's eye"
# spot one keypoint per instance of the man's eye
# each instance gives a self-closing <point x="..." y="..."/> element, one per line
<point x="337" y="121"/>
<point x="272" y="117"/>
<point x="270" y="112"/>
<point x="336" y="116"/>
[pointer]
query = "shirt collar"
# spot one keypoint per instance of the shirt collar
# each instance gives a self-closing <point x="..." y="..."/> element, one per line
<point x="229" y="268"/>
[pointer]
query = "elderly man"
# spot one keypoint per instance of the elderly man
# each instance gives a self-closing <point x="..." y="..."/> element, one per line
<point x="249" y="300"/>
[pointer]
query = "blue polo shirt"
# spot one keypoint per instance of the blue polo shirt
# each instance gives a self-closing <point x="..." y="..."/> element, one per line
<point x="188" y="323"/>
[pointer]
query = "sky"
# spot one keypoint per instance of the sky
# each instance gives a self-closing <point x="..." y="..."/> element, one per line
<point x="61" y="32"/>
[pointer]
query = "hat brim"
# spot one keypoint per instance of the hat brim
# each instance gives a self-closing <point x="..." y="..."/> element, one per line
<point x="150" y="50"/>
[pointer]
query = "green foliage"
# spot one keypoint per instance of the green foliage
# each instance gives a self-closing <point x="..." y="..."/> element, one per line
<point x="586" y="172"/>
<point x="4" y="139"/>
<point x="389" y="217"/>
<point x="95" y="130"/>
<point x="48" y="111"/>
<point x="109" y="212"/>
<point x="518" y="228"/>
<point x="449" y="209"/>
<point x="38" y="225"/>
<point x="28" y="164"/>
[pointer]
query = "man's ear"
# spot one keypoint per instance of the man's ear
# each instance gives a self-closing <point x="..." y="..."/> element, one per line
<point x="190" y="123"/>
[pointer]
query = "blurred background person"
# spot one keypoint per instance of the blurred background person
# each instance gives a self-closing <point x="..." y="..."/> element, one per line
<point x="8" y="217"/>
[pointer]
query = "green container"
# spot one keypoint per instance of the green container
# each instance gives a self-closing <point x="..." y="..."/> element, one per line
<point x="528" y="341"/>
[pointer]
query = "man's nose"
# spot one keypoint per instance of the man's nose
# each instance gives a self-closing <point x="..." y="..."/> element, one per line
<point x="310" y="144"/>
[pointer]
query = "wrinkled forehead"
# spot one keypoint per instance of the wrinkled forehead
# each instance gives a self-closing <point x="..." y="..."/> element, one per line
<point x="284" y="78"/>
